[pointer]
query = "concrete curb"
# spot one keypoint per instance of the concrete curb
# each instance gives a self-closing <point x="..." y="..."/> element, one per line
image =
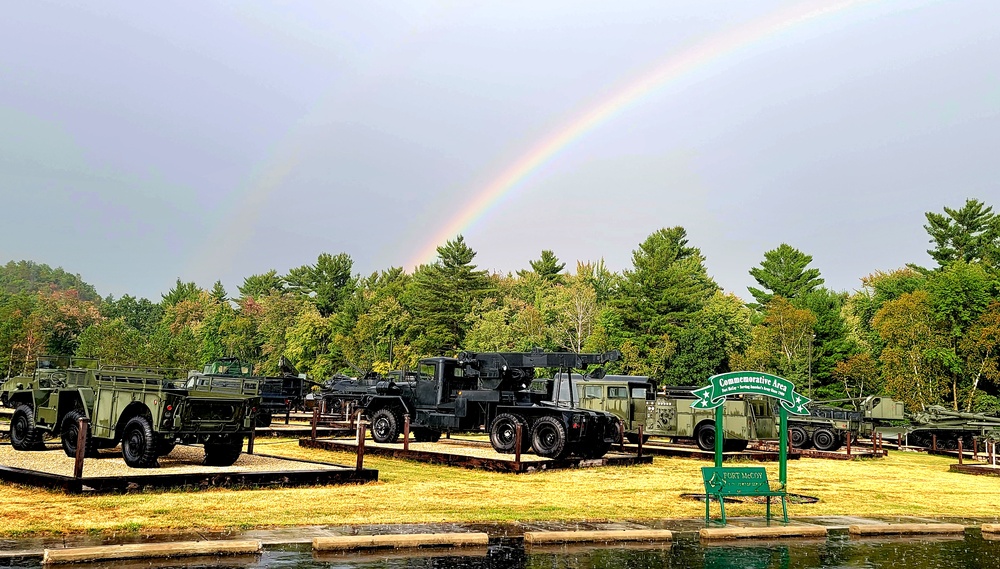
<point x="990" y="528"/>
<point x="904" y="529"/>
<point x="533" y="537"/>
<point x="347" y="542"/>
<point x="761" y="532"/>
<point x="150" y="550"/>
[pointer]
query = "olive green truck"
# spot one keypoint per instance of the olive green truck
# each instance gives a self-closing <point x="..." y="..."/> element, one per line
<point x="146" y="410"/>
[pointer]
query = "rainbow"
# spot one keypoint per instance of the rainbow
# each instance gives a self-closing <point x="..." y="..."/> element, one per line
<point x="673" y="68"/>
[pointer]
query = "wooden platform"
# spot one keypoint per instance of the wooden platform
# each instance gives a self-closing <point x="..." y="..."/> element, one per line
<point x="181" y="468"/>
<point x="474" y="455"/>
<point x="658" y="448"/>
<point x="980" y="469"/>
<point x="840" y="454"/>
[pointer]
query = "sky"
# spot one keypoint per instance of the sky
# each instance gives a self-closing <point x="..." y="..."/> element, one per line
<point x="143" y="142"/>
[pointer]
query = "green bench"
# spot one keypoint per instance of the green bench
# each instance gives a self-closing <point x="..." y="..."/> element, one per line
<point x="722" y="482"/>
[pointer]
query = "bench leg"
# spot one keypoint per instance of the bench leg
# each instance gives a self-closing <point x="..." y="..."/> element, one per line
<point x="722" y="506"/>
<point x="768" y="511"/>
<point x="784" y="510"/>
<point x="708" y="513"/>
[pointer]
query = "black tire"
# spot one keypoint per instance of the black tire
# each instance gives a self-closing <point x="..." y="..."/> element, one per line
<point x="799" y="438"/>
<point x="24" y="434"/>
<point x="548" y="436"/>
<point x="165" y="446"/>
<point x="139" y="443"/>
<point x="825" y="439"/>
<point x="634" y="438"/>
<point x="70" y="434"/>
<point x="705" y="437"/>
<point x="597" y="450"/>
<point x="385" y="426"/>
<point x="264" y="418"/>
<point x="223" y="450"/>
<point x="503" y="433"/>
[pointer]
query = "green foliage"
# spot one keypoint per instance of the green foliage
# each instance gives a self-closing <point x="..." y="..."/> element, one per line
<point x="181" y="292"/>
<point x="257" y="286"/>
<point x="783" y="272"/>
<point x="547" y="267"/>
<point x="970" y="234"/>
<point x="28" y="276"/>
<point x="326" y="284"/>
<point x="139" y="313"/>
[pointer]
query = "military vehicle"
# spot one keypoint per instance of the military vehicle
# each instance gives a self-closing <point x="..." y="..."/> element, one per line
<point x="668" y="413"/>
<point x="948" y="426"/>
<point x="827" y="426"/>
<point x="147" y="410"/>
<point x="277" y="394"/>
<point x="489" y="391"/>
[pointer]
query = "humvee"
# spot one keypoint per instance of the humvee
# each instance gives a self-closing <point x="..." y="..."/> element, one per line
<point x="147" y="410"/>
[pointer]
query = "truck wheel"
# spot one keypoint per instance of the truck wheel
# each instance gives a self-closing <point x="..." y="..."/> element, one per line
<point x="503" y="433"/>
<point x="264" y="418"/>
<point x="385" y="426"/>
<point x="825" y="439"/>
<point x="800" y="439"/>
<point x="734" y="445"/>
<point x="71" y="434"/>
<point x="24" y="434"/>
<point x="139" y="443"/>
<point x="223" y="450"/>
<point x="705" y="437"/>
<point x="549" y="437"/>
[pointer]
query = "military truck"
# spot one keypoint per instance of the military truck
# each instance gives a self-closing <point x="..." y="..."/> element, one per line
<point x="146" y="410"/>
<point x="668" y="413"/>
<point x="827" y="426"/>
<point x="489" y="391"/>
<point x="277" y="394"/>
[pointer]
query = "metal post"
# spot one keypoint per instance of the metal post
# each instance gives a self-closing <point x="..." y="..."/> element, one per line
<point x="361" y="443"/>
<point x="253" y="435"/>
<point x="315" y="419"/>
<point x="975" y="448"/>
<point x="639" y="452"/>
<point x="621" y="436"/>
<point x="960" y="453"/>
<point x="813" y="339"/>
<point x="517" y="446"/>
<point x="847" y="435"/>
<point x="406" y="431"/>
<point x="933" y="441"/>
<point x="288" y="413"/>
<point x="718" y="434"/>
<point x="782" y="446"/>
<point x="81" y="446"/>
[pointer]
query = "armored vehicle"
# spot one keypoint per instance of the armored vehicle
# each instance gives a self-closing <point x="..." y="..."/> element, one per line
<point x="478" y="391"/>
<point x="948" y="426"/>
<point x="668" y="413"/>
<point x="147" y="410"/>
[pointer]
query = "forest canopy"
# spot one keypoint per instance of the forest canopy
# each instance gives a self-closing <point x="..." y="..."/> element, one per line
<point x="925" y="335"/>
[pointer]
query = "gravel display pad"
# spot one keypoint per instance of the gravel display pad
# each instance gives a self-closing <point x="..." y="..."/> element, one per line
<point x="182" y="467"/>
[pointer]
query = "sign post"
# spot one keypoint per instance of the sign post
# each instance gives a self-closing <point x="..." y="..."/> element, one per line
<point x="723" y="385"/>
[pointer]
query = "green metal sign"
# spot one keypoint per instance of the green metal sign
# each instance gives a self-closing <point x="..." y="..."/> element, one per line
<point x="750" y="383"/>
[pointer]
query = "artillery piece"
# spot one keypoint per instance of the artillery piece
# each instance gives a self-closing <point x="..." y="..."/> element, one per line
<point x="948" y="426"/>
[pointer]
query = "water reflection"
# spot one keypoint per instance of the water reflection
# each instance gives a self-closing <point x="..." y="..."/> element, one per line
<point x="958" y="552"/>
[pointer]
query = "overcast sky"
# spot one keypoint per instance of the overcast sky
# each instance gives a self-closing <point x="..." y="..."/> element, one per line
<point x="145" y="141"/>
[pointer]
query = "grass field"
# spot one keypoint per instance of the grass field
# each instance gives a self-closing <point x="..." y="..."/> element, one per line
<point x="901" y="484"/>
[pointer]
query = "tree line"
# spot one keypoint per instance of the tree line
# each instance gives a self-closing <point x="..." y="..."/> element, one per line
<point x="923" y="335"/>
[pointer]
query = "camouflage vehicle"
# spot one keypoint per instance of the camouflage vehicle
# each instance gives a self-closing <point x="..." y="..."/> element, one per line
<point x="635" y="401"/>
<point x="948" y="426"/>
<point x="147" y="410"/>
<point x="488" y="391"/>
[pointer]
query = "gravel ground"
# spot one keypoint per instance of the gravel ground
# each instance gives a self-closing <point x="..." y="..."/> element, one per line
<point x="182" y="460"/>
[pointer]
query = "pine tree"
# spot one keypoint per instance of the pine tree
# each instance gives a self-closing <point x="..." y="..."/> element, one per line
<point x="783" y="273"/>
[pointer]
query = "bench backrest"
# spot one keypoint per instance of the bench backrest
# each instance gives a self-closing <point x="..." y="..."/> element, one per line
<point x="735" y="481"/>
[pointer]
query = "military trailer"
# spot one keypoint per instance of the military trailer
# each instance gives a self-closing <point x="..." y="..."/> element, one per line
<point x="488" y="391"/>
<point x="668" y="413"/>
<point x="146" y="410"/>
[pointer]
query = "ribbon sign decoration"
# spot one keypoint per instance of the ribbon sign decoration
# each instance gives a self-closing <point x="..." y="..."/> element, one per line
<point x="750" y="383"/>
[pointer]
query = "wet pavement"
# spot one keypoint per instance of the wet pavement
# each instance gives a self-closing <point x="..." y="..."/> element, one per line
<point x="277" y="537"/>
